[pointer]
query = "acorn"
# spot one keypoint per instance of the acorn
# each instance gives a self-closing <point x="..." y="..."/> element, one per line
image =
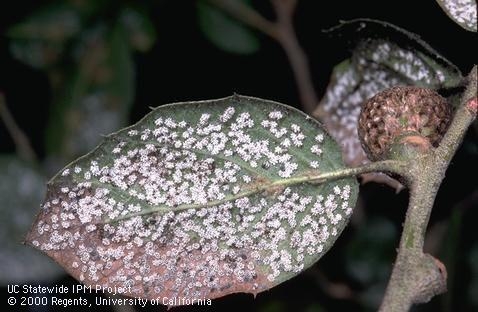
<point x="414" y="115"/>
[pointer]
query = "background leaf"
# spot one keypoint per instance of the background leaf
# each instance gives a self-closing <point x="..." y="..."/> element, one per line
<point x="368" y="257"/>
<point x="39" y="40"/>
<point x="376" y="64"/>
<point x="139" y="28"/>
<point x="462" y="12"/>
<point x="21" y="191"/>
<point x="473" y="263"/>
<point x="98" y="95"/>
<point x="225" y="32"/>
<point x="198" y="199"/>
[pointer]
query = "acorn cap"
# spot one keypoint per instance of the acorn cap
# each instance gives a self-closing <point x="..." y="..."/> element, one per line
<point x="399" y="111"/>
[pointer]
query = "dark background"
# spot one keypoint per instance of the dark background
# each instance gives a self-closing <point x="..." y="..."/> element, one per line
<point x="183" y="65"/>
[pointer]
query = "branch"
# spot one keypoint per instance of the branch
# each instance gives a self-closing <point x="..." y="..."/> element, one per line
<point x="283" y="32"/>
<point x="22" y="144"/>
<point x="248" y="16"/>
<point x="390" y="166"/>
<point x="416" y="276"/>
<point x="297" y="58"/>
<point x="464" y="116"/>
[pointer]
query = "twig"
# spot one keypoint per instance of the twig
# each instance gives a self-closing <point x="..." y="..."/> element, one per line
<point x="416" y="276"/>
<point x="246" y="15"/>
<point x="297" y="58"/>
<point x="22" y="144"/>
<point x="283" y="32"/>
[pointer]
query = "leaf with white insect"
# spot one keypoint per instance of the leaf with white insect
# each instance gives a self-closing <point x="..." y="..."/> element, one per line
<point x="377" y="63"/>
<point x="21" y="192"/>
<point x="462" y="12"/>
<point x="198" y="200"/>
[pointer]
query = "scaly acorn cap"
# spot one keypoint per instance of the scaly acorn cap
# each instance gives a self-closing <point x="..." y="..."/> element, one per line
<point x="400" y="111"/>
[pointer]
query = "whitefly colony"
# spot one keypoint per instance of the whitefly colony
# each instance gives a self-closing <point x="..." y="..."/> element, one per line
<point x="198" y="200"/>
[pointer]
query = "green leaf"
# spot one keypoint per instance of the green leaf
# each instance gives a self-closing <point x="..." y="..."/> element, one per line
<point x="225" y="32"/>
<point x="98" y="96"/>
<point x="53" y="23"/>
<point x="462" y="12"/>
<point x="39" y="40"/>
<point x="370" y="252"/>
<point x="21" y="191"/>
<point x="36" y="53"/>
<point x="139" y="29"/>
<point x="473" y="263"/>
<point x="368" y="256"/>
<point x="198" y="200"/>
<point x="377" y="63"/>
